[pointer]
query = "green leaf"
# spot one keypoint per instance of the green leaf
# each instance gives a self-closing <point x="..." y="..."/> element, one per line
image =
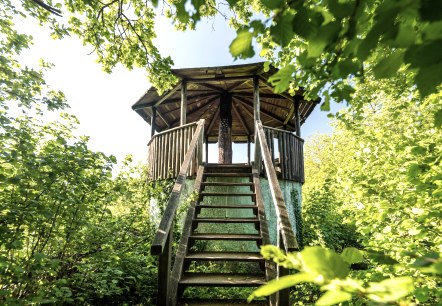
<point x="241" y="46"/>
<point x="333" y="297"/>
<point x="388" y="66"/>
<point x="438" y="118"/>
<point x="281" y="31"/>
<point x="325" y="262"/>
<point x="326" y="35"/>
<point x="380" y="257"/>
<point x="279" y="284"/>
<point x="272" y="4"/>
<point x="341" y="9"/>
<point x="428" y="79"/>
<point x="352" y="255"/>
<point x="281" y="79"/>
<point x="390" y="290"/>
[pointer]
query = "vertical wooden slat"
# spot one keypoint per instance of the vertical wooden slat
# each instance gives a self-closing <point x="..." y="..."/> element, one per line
<point x="281" y="153"/>
<point x="183" y="110"/>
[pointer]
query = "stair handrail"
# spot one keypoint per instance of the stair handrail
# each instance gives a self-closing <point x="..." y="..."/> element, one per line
<point x="162" y="243"/>
<point x="169" y="131"/>
<point x="162" y="233"/>
<point x="287" y="236"/>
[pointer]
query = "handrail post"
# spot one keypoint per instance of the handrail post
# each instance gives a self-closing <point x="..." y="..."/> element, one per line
<point x="164" y="266"/>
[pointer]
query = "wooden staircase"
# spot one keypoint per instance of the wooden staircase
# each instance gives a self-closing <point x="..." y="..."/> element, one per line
<point x="222" y="249"/>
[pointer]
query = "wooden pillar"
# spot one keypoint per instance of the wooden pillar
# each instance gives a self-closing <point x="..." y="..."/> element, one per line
<point x="256" y="104"/>
<point x="297" y="102"/>
<point x="152" y="121"/>
<point x="207" y="149"/>
<point x="225" y="130"/>
<point x="248" y="149"/>
<point x="183" y="102"/>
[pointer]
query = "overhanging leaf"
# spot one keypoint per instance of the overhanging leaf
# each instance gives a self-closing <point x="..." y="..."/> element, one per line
<point x="281" y="79"/>
<point x="281" y="31"/>
<point x="388" y="66"/>
<point x="325" y="262"/>
<point x="352" y="255"/>
<point x="333" y="297"/>
<point x="279" y="284"/>
<point x="241" y="46"/>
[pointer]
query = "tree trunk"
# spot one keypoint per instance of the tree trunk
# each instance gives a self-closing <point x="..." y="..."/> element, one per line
<point x="225" y="130"/>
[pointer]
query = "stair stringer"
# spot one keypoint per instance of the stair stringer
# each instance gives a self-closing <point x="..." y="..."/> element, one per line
<point x="270" y="266"/>
<point x="178" y="264"/>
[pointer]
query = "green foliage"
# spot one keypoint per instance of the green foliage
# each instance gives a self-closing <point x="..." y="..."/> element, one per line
<point x="330" y="270"/>
<point x="336" y="41"/>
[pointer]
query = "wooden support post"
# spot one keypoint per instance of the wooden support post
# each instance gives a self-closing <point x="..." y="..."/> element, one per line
<point x="248" y="149"/>
<point x="256" y="104"/>
<point x="152" y="121"/>
<point x="164" y="267"/>
<point x="225" y="130"/>
<point x="183" y="102"/>
<point x="296" y="102"/>
<point x="207" y="149"/>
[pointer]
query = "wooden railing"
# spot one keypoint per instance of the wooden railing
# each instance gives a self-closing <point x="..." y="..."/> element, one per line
<point x="286" y="238"/>
<point x="167" y="152"/>
<point x="162" y="243"/>
<point x="287" y="155"/>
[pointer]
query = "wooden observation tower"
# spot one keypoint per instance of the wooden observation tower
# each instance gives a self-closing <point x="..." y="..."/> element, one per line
<point x="239" y="206"/>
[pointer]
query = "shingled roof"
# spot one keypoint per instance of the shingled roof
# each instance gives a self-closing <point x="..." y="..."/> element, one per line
<point x="204" y="87"/>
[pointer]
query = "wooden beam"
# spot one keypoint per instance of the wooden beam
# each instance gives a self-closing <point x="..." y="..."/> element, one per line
<point x="261" y="95"/>
<point x="219" y="78"/>
<point x="152" y="121"/>
<point x="290" y="113"/>
<point x="245" y="110"/>
<point x="281" y="120"/>
<point x="167" y="95"/>
<point x="196" y="109"/>
<point x="237" y="85"/>
<point x="190" y="97"/>
<point x="183" y="102"/>
<point x="240" y="118"/>
<point x="296" y="103"/>
<point x="256" y="106"/>
<point x="217" y="89"/>
<point x="212" y="121"/>
<point x="162" y="118"/>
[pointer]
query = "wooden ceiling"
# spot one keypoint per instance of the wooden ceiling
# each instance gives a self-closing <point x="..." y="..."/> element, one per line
<point x="204" y="88"/>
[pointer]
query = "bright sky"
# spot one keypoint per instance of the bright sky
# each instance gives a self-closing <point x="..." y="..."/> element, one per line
<point x="102" y="101"/>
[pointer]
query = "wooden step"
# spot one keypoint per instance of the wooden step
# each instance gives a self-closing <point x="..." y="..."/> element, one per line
<point x="234" y="237"/>
<point x="231" y="206"/>
<point x="229" y="302"/>
<point x="227" y="174"/>
<point x="222" y="280"/>
<point x="225" y="256"/>
<point x="226" y="220"/>
<point x="227" y="184"/>
<point x="227" y="194"/>
<point x="225" y="168"/>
